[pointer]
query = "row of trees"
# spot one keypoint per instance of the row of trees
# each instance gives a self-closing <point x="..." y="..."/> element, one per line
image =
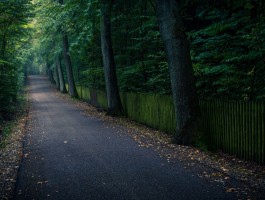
<point x="14" y="46"/>
<point x="226" y="38"/>
<point x="73" y="40"/>
<point x="227" y="46"/>
<point x="172" y="32"/>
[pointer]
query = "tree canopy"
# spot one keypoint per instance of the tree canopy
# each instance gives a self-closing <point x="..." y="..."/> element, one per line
<point x="15" y="29"/>
<point x="226" y="41"/>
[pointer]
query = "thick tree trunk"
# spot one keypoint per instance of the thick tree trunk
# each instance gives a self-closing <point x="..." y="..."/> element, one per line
<point x="181" y="73"/>
<point x="69" y="68"/>
<point x="114" y="102"/>
<point x="60" y="75"/>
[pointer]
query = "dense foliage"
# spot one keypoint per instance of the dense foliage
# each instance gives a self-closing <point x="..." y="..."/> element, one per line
<point x="227" y="42"/>
<point x="227" y="45"/>
<point x="228" y="50"/>
<point x="14" y="35"/>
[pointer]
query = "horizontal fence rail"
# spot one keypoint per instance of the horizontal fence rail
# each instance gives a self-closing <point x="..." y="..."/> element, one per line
<point x="234" y="127"/>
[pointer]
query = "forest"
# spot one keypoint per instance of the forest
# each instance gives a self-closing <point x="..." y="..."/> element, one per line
<point x="132" y="99"/>
<point x="207" y="49"/>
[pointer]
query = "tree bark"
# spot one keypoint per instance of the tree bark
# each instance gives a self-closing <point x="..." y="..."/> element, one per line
<point x="114" y="102"/>
<point x="49" y="72"/>
<point x="60" y="75"/>
<point x="69" y="68"/>
<point x="57" y="80"/>
<point x="181" y="73"/>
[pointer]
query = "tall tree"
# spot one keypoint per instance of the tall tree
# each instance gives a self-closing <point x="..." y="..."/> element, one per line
<point x="180" y="67"/>
<point x="114" y="102"/>
<point x="68" y="63"/>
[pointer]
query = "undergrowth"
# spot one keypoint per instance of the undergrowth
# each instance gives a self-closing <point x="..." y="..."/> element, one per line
<point x="19" y="110"/>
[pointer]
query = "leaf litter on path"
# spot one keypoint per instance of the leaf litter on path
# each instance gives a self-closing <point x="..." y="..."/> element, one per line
<point x="219" y="167"/>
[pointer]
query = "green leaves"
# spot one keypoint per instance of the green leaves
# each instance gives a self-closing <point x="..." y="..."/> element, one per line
<point x="14" y="36"/>
<point x="226" y="50"/>
<point x="227" y="42"/>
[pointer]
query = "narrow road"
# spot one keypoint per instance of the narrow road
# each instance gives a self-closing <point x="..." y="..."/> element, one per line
<point x="69" y="155"/>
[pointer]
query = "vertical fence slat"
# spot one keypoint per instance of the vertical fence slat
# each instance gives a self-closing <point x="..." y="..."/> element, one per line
<point x="232" y="128"/>
<point x="243" y="107"/>
<point x="249" y="132"/>
<point x="263" y="133"/>
<point x="253" y="131"/>
<point x="247" y="124"/>
<point x="235" y="129"/>
<point x="229" y="127"/>
<point x="240" y="146"/>
<point x="225" y="127"/>
<point x="237" y="125"/>
<point x="259" y="132"/>
<point x="256" y="134"/>
<point x="219" y="128"/>
<point x="223" y="123"/>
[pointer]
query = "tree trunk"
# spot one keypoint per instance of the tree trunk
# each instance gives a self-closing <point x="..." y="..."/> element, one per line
<point x="60" y="75"/>
<point x="69" y="68"/>
<point x="57" y="80"/>
<point x="114" y="102"/>
<point x="181" y="73"/>
<point x="49" y="72"/>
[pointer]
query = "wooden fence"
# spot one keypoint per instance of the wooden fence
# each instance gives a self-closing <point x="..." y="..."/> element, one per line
<point x="234" y="127"/>
<point x="237" y="128"/>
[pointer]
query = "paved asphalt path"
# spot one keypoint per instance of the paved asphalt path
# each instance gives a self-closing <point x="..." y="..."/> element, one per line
<point x="69" y="155"/>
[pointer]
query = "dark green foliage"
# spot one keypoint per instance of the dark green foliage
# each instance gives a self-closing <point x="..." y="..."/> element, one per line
<point x="139" y="52"/>
<point x="18" y="110"/>
<point x="8" y="88"/>
<point x="227" y="45"/>
<point x="14" y="34"/>
<point x="228" y="53"/>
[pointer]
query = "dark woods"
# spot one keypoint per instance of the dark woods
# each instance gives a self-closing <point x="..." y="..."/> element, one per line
<point x="191" y="49"/>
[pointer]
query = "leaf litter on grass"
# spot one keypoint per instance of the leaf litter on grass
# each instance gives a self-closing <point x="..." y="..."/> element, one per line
<point x="10" y="157"/>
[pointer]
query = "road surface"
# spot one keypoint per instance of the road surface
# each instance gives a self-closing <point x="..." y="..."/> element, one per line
<point x="69" y="155"/>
